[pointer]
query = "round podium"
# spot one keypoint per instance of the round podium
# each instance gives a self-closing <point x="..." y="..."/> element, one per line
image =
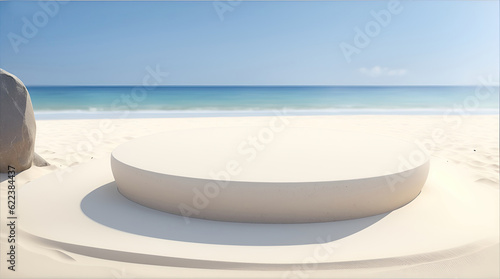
<point x="269" y="175"/>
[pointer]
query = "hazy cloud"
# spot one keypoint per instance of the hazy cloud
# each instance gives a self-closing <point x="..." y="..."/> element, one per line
<point x="378" y="71"/>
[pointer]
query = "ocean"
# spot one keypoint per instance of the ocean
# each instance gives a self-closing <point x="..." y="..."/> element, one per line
<point x="73" y="102"/>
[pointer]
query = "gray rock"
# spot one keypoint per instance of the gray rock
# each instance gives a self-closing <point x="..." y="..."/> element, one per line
<point x="17" y="124"/>
<point x="39" y="161"/>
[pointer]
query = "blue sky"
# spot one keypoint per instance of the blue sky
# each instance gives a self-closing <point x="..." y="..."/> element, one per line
<point x="252" y="43"/>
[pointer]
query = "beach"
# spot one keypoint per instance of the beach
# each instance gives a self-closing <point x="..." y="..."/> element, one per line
<point x="466" y="143"/>
<point x="472" y="144"/>
<point x="249" y="139"/>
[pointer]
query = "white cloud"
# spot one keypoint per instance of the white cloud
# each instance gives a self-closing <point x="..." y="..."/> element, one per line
<point x="378" y="71"/>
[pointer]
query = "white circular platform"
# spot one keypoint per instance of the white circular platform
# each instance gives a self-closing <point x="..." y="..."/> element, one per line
<point x="266" y="175"/>
<point x="451" y="218"/>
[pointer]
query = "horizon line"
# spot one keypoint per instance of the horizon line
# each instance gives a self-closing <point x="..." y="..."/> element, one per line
<point x="326" y="85"/>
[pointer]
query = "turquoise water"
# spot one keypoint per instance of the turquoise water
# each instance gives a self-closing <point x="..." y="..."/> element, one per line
<point x="177" y="101"/>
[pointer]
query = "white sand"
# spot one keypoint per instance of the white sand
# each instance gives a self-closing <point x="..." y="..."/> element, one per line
<point x="468" y="143"/>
